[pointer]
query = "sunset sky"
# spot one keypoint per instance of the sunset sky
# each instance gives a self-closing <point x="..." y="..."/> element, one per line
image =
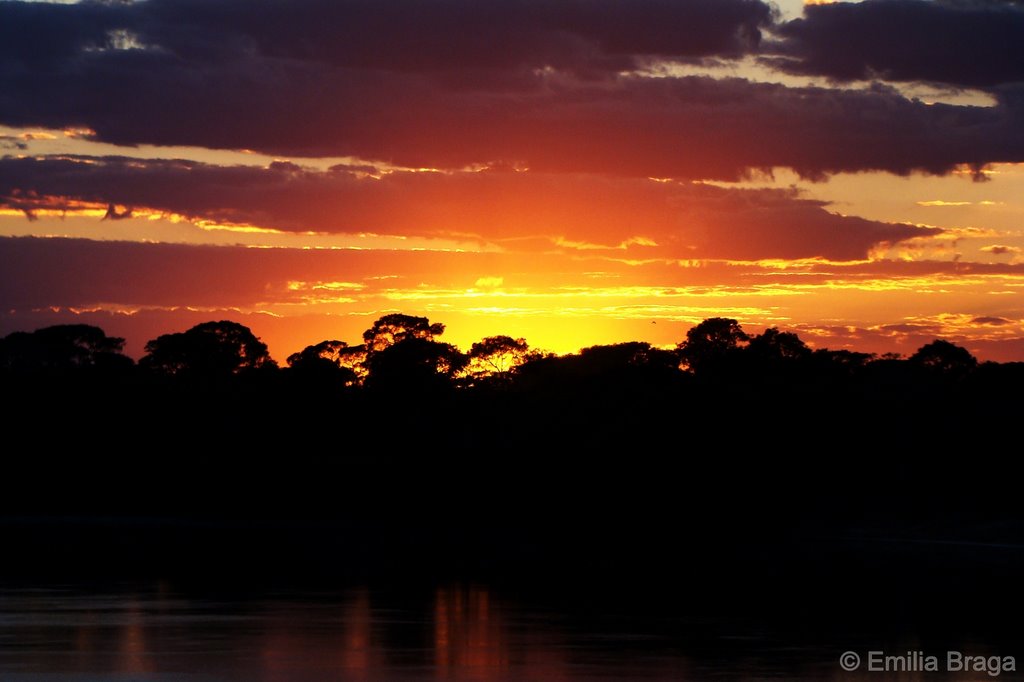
<point x="571" y="171"/>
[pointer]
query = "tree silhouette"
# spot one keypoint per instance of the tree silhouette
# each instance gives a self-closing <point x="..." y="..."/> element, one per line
<point x="606" y="386"/>
<point x="395" y="327"/>
<point x="401" y="354"/>
<point x="845" y="361"/>
<point x="774" y="346"/>
<point x="495" y="358"/>
<point x="945" y="359"/>
<point x="332" y="360"/>
<point x="600" y="370"/>
<point x="628" y="355"/>
<point x="711" y="342"/>
<point x="62" y="348"/>
<point x="209" y="349"/>
<point x="414" y="363"/>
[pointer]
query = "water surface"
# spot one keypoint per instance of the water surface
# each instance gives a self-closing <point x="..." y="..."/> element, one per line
<point x="453" y="632"/>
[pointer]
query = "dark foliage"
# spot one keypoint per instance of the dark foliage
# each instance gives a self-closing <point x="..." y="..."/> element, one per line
<point x="210" y="349"/>
<point x="328" y="364"/>
<point x="504" y="397"/>
<point x="401" y="353"/>
<point x="62" y="348"/>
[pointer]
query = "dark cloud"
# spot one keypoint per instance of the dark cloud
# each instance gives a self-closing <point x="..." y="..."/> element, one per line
<point x="399" y="35"/>
<point x="1001" y="249"/>
<point x="43" y="273"/>
<point x="35" y="34"/>
<point x="681" y="220"/>
<point x="991" y="321"/>
<point x="921" y="328"/>
<point x="968" y="43"/>
<point x="39" y="273"/>
<point x="440" y="35"/>
<point x="455" y="83"/>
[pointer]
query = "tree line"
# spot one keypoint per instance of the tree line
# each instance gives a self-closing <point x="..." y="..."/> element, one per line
<point x="206" y="420"/>
<point x="405" y="350"/>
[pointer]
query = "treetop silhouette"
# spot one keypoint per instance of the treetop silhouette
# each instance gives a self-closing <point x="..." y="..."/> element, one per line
<point x="773" y="345"/>
<point x="62" y="348"/>
<point x="209" y="349"/>
<point x="943" y="357"/>
<point x="396" y="327"/>
<point x="496" y="358"/>
<point x="711" y="342"/>
<point x="336" y="359"/>
<point x="402" y="352"/>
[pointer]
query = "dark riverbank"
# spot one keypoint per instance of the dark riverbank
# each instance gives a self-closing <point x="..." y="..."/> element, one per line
<point x="730" y="537"/>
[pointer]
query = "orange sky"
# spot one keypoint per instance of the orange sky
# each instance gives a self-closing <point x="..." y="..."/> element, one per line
<point x="571" y="208"/>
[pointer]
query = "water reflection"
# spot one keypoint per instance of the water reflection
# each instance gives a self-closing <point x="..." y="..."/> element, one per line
<point x="132" y="652"/>
<point x="469" y="639"/>
<point x="361" y="654"/>
<point x="456" y="632"/>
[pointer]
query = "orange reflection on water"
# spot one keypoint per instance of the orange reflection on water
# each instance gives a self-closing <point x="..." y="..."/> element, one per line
<point x="470" y="641"/>
<point x="473" y="640"/>
<point x="314" y="643"/>
<point x="360" y="656"/>
<point x="132" y="655"/>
